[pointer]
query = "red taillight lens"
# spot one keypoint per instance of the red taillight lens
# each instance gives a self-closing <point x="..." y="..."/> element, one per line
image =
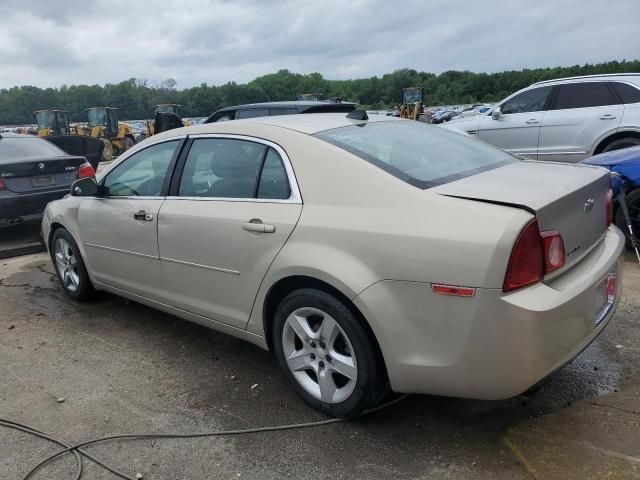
<point x="609" y="207"/>
<point x="525" y="265"/>
<point x="553" y="248"/>
<point x="86" y="170"/>
<point x="2" y="185"/>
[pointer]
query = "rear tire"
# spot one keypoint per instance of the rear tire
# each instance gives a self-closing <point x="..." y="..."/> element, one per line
<point x="327" y="354"/>
<point x="620" y="143"/>
<point x="127" y="143"/>
<point x="633" y="204"/>
<point x="70" y="267"/>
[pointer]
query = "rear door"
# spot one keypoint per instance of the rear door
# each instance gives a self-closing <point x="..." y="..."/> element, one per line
<point x="518" y="127"/>
<point x="579" y="114"/>
<point x="119" y="229"/>
<point x="229" y="213"/>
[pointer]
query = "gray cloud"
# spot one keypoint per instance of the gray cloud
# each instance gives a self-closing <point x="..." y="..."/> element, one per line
<point x="195" y="41"/>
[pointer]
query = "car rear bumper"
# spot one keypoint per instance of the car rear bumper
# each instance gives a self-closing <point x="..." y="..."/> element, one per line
<point x="26" y="207"/>
<point x="492" y="345"/>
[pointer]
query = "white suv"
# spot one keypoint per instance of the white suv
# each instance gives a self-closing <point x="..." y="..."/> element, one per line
<point x="564" y="120"/>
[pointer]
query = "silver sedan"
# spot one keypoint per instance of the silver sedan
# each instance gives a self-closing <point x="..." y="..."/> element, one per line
<point x="369" y="255"/>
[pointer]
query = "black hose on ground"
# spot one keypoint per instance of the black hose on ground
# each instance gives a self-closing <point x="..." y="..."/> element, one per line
<point x="75" y="449"/>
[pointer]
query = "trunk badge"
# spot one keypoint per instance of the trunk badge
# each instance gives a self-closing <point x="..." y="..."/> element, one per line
<point x="588" y="205"/>
<point x="41" y="166"/>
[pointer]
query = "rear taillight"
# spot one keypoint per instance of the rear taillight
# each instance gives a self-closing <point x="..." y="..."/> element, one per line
<point x="609" y="207"/>
<point x="86" y="170"/>
<point x="534" y="255"/>
<point x="553" y="250"/>
<point x="525" y="265"/>
<point x="2" y="185"/>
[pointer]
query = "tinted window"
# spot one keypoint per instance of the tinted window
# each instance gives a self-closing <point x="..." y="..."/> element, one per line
<point x="273" y="179"/>
<point x="221" y="167"/>
<point x="529" y="101"/>
<point x="581" y="95"/>
<point x="419" y="154"/>
<point x="19" y="147"/>
<point x="284" y="111"/>
<point x="143" y="173"/>
<point x="626" y="92"/>
<point x="252" y="113"/>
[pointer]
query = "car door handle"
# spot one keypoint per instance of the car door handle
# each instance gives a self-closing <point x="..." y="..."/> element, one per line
<point x="258" y="226"/>
<point x="143" y="216"/>
<point x="607" y="116"/>
<point x="532" y="121"/>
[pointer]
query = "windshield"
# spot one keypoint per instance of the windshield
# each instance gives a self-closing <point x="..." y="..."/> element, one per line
<point x="413" y="96"/>
<point x="97" y="116"/>
<point x="21" y="147"/>
<point x="44" y="119"/>
<point x="421" y="155"/>
<point x="167" y="108"/>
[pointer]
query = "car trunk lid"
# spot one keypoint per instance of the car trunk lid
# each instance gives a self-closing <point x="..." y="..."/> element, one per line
<point x="30" y="174"/>
<point x="570" y="199"/>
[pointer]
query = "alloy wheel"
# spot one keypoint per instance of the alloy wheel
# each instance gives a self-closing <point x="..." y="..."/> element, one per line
<point x="319" y="355"/>
<point x="66" y="264"/>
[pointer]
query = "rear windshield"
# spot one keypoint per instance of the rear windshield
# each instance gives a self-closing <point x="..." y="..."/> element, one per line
<point x="422" y="155"/>
<point x="19" y="147"/>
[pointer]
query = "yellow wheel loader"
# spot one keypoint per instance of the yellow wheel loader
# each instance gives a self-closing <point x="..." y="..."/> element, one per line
<point x="413" y="104"/>
<point x="103" y="124"/>
<point x="166" y="116"/>
<point x="52" y="122"/>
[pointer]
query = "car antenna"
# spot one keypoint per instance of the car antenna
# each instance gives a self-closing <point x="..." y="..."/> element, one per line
<point x="358" y="115"/>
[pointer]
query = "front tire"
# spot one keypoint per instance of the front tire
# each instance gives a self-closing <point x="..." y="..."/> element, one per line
<point x="70" y="267"/>
<point x="327" y="354"/>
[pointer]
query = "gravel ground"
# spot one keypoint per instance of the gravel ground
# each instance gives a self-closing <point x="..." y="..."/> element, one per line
<point x="121" y="367"/>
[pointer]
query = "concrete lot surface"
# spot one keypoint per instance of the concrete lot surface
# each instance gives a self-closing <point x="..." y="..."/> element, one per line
<point x="122" y="367"/>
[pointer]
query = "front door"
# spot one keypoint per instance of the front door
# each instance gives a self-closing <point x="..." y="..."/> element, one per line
<point x="230" y="213"/>
<point x="518" y="127"/>
<point x="119" y="228"/>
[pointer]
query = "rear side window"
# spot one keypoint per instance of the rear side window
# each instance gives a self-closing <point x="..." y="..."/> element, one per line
<point x="262" y="112"/>
<point x="626" y="92"/>
<point x="283" y="111"/>
<point x="582" y="95"/>
<point x="274" y="183"/>
<point x="422" y="155"/>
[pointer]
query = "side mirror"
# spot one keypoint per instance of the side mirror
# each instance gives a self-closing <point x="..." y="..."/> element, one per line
<point x="496" y="113"/>
<point x="84" y="187"/>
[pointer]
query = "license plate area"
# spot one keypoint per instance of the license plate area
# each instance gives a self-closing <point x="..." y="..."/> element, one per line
<point x="606" y="295"/>
<point x="43" y="181"/>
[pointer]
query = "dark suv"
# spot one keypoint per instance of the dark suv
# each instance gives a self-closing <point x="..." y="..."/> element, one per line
<point x="269" y="109"/>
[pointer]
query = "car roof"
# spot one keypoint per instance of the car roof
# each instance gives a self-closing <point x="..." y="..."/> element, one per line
<point x="16" y="135"/>
<point x="303" y="123"/>
<point x="635" y="77"/>
<point x="301" y="106"/>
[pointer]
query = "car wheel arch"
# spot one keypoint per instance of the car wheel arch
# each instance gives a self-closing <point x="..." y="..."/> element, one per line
<point x="602" y="143"/>
<point x="279" y="290"/>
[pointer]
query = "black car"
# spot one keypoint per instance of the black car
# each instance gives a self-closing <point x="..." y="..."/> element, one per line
<point x="269" y="109"/>
<point x="34" y="172"/>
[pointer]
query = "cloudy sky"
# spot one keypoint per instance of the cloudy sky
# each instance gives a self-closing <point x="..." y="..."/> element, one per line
<point x="50" y="43"/>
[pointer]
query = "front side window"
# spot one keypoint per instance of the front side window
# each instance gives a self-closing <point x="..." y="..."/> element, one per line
<point x="143" y="173"/>
<point x="532" y="100"/>
<point x="422" y="155"/>
<point x="230" y="168"/>
<point x="583" y="95"/>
